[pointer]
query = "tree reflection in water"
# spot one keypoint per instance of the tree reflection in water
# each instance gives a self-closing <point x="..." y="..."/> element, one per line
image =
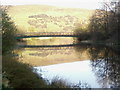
<point x="106" y="65"/>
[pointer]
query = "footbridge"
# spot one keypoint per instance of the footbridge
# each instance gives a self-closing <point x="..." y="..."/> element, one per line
<point x="46" y="34"/>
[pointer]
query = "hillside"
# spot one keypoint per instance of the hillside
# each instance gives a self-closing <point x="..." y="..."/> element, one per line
<point x="41" y="18"/>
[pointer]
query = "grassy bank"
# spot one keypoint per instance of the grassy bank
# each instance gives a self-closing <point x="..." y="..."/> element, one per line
<point x="20" y="75"/>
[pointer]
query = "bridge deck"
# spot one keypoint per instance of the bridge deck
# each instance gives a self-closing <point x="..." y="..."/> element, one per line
<point x="47" y="34"/>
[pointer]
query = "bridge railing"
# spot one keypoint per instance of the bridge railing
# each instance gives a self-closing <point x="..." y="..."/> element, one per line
<point x="48" y="33"/>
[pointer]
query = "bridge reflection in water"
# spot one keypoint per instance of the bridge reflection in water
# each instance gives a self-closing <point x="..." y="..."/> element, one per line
<point x="42" y="46"/>
<point x="42" y="56"/>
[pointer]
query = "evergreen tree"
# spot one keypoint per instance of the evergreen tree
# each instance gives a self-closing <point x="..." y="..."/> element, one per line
<point x="8" y="32"/>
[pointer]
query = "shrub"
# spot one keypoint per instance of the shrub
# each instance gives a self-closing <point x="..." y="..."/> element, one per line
<point x="21" y="75"/>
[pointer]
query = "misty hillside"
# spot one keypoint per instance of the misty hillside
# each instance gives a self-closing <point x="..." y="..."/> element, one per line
<point x="43" y="18"/>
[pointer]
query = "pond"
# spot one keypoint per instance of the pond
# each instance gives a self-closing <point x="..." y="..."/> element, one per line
<point x="94" y="66"/>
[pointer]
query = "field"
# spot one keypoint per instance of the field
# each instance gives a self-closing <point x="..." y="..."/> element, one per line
<point x="42" y="18"/>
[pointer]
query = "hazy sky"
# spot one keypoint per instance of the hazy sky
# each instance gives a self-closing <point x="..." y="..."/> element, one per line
<point x="90" y="4"/>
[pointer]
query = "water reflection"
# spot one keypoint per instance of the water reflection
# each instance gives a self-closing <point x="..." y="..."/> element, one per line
<point x="99" y="66"/>
<point x="102" y="70"/>
<point x="106" y="66"/>
<point x="49" y="41"/>
<point x="50" y="55"/>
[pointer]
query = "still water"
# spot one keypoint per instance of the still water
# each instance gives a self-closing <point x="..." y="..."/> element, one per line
<point x="96" y="66"/>
<point x="74" y="72"/>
